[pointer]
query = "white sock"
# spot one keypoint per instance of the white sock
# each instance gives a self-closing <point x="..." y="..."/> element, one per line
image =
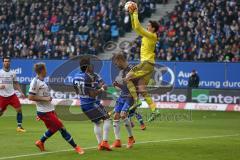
<point x="98" y="132"/>
<point x="106" y="129"/>
<point x="116" y="128"/>
<point x="128" y="127"/>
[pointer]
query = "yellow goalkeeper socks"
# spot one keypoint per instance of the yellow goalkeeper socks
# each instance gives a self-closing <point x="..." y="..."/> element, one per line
<point x="149" y="101"/>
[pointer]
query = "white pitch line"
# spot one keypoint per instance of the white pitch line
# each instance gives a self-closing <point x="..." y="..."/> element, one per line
<point x="24" y="115"/>
<point x="181" y="139"/>
<point x="41" y="153"/>
<point x="144" y="142"/>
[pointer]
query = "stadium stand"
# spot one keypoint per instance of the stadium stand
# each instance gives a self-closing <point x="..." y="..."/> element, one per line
<point x="198" y="30"/>
<point x="60" y="29"/>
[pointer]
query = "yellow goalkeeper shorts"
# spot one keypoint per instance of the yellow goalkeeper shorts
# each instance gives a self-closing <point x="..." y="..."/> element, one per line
<point x="143" y="70"/>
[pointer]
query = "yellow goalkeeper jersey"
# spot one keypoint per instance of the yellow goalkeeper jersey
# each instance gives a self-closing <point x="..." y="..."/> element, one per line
<point x="149" y="40"/>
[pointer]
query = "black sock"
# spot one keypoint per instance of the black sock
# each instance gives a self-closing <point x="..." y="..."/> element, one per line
<point x="68" y="137"/>
<point x="19" y="119"/>
<point x="46" y="135"/>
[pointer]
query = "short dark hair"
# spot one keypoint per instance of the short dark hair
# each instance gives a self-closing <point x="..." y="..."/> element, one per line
<point x="155" y="25"/>
<point x="38" y="67"/>
<point x="6" y="57"/>
<point x="84" y="63"/>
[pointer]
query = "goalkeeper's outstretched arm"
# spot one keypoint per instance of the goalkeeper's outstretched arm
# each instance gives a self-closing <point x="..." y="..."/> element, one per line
<point x="137" y="27"/>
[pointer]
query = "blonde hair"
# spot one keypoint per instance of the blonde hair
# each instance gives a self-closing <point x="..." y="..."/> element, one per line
<point x="118" y="56"/>
<point x="38" y="67"/>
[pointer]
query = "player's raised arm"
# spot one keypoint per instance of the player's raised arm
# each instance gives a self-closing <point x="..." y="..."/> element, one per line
<point x="132" y="23"/>
<point x="138" y="27"/>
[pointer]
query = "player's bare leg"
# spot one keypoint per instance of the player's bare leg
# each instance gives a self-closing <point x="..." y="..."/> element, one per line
<point x="19" y="120"/>
<point x="116" y="128"/>
<point x="98" y="133"/>
<point x="132" y="123"/>
<point x="128" y="126"/>
<point x="106" y="128"/>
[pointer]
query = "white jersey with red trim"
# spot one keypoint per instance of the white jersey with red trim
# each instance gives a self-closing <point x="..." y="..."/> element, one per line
<point x="7" y="78"/>
<point x="40" y="88"/>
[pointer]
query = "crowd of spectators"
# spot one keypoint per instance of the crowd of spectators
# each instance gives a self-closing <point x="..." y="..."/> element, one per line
<point x="60" y="29"/>
<point x="198" y="30"/>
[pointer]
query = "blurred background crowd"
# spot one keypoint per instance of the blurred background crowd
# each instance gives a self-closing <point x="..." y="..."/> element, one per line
<point x="196" y="30"/>
<point x="60" y="29"/>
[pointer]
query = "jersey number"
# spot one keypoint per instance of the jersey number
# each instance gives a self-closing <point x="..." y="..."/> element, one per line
<point x="80" y="85"/>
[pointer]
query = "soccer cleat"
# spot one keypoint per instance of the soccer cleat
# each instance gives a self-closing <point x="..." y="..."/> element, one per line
<point x="131" y="141"/>
<point x="40" y="145"/>
<point x="104" y="146"/>
<point x="154" y="114"/>
<point x="20" y="129"/>
<point x="143" y="127"/>
<point x="117" y="144"/>
<point x="79" y="150"/>
<point x="136" y="104"/>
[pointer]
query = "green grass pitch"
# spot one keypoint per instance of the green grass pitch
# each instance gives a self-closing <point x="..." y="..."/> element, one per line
<point x="205" y="136"/>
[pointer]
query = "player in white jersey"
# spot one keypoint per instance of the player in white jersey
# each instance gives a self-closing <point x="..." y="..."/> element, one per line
<point x="40" y="93"/>
<point x="8" y="85"/>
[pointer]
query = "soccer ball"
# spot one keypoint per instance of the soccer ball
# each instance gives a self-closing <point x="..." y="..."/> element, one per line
<point x="130" y="6"/>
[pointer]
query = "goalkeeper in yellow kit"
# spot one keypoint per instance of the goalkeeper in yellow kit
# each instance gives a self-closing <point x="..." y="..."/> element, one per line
<point x="144" y="70"/>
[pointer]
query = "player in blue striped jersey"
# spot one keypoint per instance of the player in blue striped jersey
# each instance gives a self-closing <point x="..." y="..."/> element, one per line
<point x="86" y="84"/>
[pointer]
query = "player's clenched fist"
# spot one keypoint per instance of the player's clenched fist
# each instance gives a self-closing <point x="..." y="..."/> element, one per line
<point x="49" y="99"/>
<point x="2" y="86"/>
<point x="104" y="87"/>
<point x="115" y="83"/>
<point x="22" y="95"/>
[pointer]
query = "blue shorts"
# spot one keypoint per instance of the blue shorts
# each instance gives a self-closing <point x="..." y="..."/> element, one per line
<point x="123" y="104"/>
<point x="94" y="111"/>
